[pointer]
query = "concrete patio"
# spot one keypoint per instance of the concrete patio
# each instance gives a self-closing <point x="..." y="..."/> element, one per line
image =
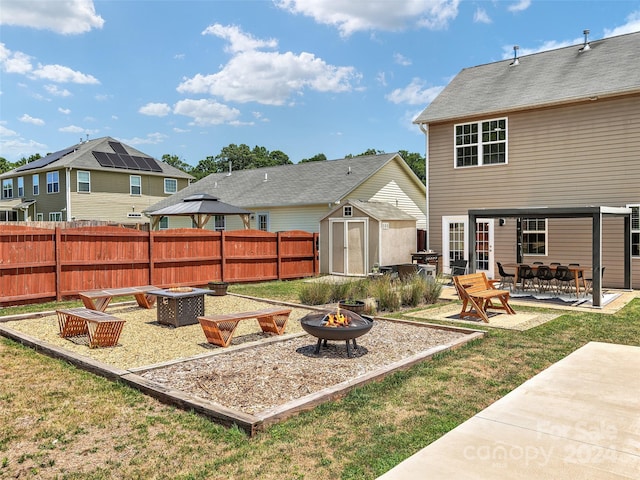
<point x="579" y="418"/>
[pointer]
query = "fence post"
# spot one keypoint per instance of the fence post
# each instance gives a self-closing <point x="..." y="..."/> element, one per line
<point x="278" y="255"/>
<point x="222" y="256"/>
<point x="150" y="241"/>
<point x="316" y="252"/>
<point x="57" y="245"/>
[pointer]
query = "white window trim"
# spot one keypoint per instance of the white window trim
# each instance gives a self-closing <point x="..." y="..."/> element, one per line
<point x="39" y="217"/>
<point x="20" y="181"/>
<point x="7" y="182"/>
<point x="131" y="185"/>
<point x="262" y="214"/>
<point x="635" y="230"/>
<point x="55" y="216"/>
<point x="224" y="223"/>
<point x="347" y="211"/>
<point x="53" y="191"/>
<point x="479" y="144"/>
<point x="78" y="181"/>
<point x="35" y="182"/>
<point x="546" y="238"/>
<point x="165" y="185"/>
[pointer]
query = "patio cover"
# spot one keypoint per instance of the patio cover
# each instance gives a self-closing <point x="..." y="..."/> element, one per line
<point x="200" y="207"/>
<point x="594" y="212"/>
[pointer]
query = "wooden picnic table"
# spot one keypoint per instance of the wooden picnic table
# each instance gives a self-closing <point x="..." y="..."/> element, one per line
<point x="100" y="299"/>
<point x="577" y="270"/>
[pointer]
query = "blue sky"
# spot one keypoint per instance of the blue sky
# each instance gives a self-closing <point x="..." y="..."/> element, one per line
<point x="302" y="76"/>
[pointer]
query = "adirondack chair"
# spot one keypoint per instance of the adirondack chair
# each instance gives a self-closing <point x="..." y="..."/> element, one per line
<point x="477" y="293"/>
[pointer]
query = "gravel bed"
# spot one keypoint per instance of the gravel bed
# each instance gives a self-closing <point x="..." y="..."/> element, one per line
<point x="254" y="379"/>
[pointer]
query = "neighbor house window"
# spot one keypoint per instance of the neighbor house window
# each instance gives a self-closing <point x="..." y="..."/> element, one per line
<point x="39" y="217"/>
<point x="534" y="236"/>
<point x="53" y="182"/>
<point x="84" y="181"/>
<point x="170" y="185"/>
<point x="21" y="187"/>
<point x="135" y="184"/>
<point x="7" y="188"/>
<point x="635" y="230"/>
<point x="219" y="222"/>
<point x="35" y="180"/>
<point x="164" y="223"/>
<point x="55" y="216"/>
<point x="263" y="222"/>
<point x="481" y="143"/>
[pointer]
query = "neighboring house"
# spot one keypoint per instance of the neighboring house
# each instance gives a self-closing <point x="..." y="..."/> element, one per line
<point x="554" y="129"/>
<point x="296" y="197"/>
<point x="99" y="179"/>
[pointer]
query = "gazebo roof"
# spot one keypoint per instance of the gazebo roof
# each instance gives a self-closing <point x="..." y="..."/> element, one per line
<point x="200" y="207"/>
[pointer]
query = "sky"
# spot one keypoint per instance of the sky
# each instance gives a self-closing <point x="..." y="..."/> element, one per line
<point x="305" y="77"/>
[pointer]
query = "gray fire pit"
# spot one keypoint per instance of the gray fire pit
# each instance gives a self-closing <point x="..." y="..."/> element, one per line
<point x="316" y="324"/>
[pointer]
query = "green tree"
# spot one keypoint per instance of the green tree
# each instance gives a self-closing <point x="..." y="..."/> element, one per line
<point x="176" y="162"/>
<point x="5" y="165"/>
<point x="318" y="157"/>
<point x="416" y="162"/>
<point x="239" y="157"/>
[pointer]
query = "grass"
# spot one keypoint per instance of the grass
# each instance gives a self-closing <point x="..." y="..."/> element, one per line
<point x="60" y="422"/>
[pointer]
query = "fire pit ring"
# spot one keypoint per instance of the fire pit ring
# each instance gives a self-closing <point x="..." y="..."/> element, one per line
<point x="315" y="324"/>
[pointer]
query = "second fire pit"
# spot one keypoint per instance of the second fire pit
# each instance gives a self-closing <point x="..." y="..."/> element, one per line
<point x="341" y="325"/>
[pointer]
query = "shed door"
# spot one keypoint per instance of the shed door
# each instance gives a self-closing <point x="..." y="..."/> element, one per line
<point x="348" y="248"/>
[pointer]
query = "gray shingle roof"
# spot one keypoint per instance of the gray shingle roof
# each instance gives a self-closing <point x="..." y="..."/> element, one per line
<point x="309" y="183"/>
<point x="80" y="157"/>
<point x="610" y="67"/>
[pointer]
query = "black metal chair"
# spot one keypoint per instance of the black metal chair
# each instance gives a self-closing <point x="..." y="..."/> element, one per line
<point x="527" y="276"/>
<point x="564" y="278"/>
<point x="589" y="281"/>
<point x="458" y="267"/>
<point x="545" y="277"/>
<point x="506" y="278"/>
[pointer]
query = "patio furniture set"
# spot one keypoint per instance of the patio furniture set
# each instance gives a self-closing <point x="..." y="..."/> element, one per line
<point x="541" y="278"/>
<point x="176" y="307"/>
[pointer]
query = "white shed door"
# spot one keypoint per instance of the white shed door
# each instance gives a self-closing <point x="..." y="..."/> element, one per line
<point x="348" y="247"/>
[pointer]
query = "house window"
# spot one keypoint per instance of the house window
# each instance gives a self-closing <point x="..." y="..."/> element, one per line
<point x="40" y="217"/>
<point x="35" y="180"/>
<point x="7" y="188"/>
<point x="263" y="221"/>
<point x="135" y="184"/>
<point x="635" y="230"/>
<point x="84" y="181"/>
<point x="481" y="143"/>
<point x="53" y="182"/>
<point x="55" y="216"/>
<point x="164" y="223"/>
<point x="347" y="211"/>
<point x="170" y="185"/>
<point x="534" y="236"/>
<point x="21" y="187"/>
<point x="219" y="223"/>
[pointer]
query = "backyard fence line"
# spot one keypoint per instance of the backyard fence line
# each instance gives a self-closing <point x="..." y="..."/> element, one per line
<point x="39" y="264"/>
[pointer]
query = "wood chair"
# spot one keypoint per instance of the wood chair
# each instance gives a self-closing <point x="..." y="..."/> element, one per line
<point x="478" y="293"/>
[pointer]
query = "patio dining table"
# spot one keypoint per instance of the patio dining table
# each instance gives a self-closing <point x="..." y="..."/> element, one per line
<point x="577" y="270"/>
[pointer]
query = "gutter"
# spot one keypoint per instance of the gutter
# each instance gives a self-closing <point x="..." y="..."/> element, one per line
<point x="424" y="128"/>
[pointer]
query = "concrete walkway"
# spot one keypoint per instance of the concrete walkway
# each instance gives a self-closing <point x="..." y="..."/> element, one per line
<point x="578" y="419"/>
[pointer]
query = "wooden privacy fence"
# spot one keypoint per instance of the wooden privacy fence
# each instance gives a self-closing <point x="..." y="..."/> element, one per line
<point x="38" y="264"/>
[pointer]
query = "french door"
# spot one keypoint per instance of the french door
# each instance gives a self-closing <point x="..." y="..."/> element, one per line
<point x="455" y="238"/>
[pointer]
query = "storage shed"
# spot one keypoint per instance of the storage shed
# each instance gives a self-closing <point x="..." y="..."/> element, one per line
<point x="357" y="235"/>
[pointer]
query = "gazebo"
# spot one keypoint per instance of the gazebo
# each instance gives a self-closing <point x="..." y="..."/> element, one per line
<point x="200" y="207"/>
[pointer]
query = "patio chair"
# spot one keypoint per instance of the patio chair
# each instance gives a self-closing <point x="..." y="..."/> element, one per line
<point x="564" y="278"/>
<point x="545" y="277"/>
<point x="527" y="276"/>
<point x="506" y="278"/>
<point x="458" y="267"/>
<point x="589" y="281"/>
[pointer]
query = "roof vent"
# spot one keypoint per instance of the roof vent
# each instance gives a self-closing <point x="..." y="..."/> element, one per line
<point x="515" y="56"/>
<point x="585" y="46"/>
<point x="266" y="177"/>
<point x="349" y="171"/>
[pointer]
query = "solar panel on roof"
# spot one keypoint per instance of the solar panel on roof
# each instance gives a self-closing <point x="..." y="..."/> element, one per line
<point x="118" y="148"/>
<point x="127" y="162"/>
<point x="103" y="159"/>
<point x="43" y="162"/>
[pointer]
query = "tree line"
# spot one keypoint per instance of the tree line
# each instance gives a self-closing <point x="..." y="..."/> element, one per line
<point x="242" y="157"/>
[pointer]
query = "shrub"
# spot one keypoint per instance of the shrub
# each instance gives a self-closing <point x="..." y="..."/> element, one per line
<point x="316" y="293"/>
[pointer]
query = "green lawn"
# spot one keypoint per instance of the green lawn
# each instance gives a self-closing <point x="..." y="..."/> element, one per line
<point x="59" y="422"/>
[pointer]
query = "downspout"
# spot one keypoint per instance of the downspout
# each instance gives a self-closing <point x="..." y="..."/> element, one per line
<point x="68" y="193"/>
<point x="425" y="129"/>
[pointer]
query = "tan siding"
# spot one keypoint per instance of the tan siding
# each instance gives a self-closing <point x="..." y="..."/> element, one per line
<point x="585" y="154"/>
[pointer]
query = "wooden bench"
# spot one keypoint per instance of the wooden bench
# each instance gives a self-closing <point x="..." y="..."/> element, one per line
<point x="102" y="329"/>
<point x="100" y="299"/>
<point x="220" y="328"/>
<point x="477" y="293"/>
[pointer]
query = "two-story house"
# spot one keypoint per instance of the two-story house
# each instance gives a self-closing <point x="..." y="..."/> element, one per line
<point x="556" y="130"/>
<point x="99" y="179"/>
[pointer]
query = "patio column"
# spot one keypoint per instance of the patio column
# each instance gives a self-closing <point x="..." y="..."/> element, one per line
<point x="596" y="260"/>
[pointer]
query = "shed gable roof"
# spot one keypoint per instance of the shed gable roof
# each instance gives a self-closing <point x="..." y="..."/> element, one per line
<point x="609" y="67"/>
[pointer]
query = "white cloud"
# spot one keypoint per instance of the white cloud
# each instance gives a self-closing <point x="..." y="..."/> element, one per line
<point x="206" y="112"/>
<point x="519" y="6"/>
<point x="238" y="40"/>
<point x="414" y="93"/>
<point x="32" y="120"/>
<point x="180" y="130"/>
<point x="19" y="147"/>
<point x="66" y="111"/>
<point x="150" y="139"/>
<point x="355" y="16"/>
<point x="62" y="74"/>
<point x="401" y="60"/>
<point x="54" y="90"/>
<point x="632" y="25"/>
<point x="155" y="109"/>
<point x="14" y="62"/>
<point x="6" y="132"/>
<point x="481" y="16"/>
<point x="72" y="129"/>
<point x="68" y="17"/>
